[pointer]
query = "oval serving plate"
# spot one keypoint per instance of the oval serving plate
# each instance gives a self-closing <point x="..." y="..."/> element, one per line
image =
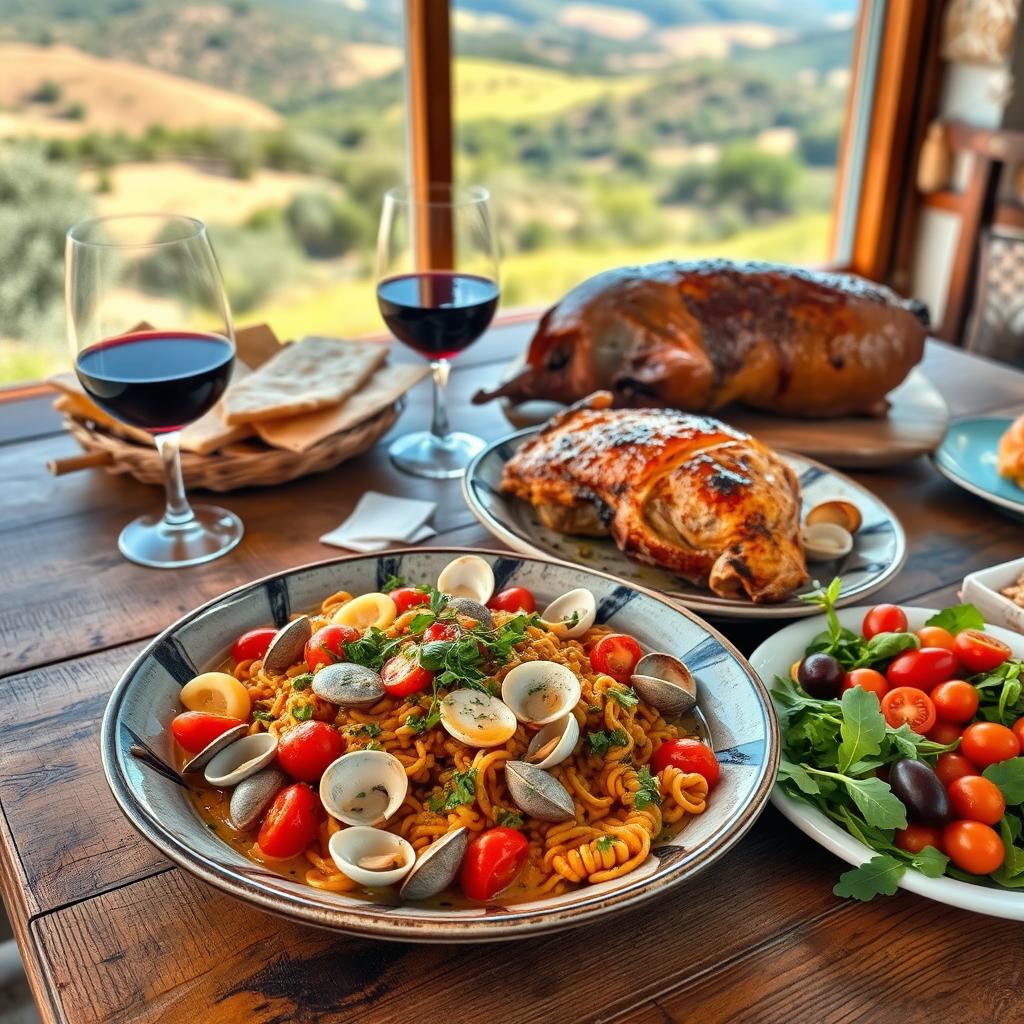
<point x="967" y="457"/>
<point x="879" y="551"/>
<point x="736" y="705"/>
<point x="773" y="658"/>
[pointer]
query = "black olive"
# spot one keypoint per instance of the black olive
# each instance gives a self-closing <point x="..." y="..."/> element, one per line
<point x="821" y="676"/>
<point x="921" y="791"/>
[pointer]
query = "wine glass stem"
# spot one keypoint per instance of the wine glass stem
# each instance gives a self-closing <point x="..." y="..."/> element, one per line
<point x="178" y="512"/>
<point x="439" y="425"/>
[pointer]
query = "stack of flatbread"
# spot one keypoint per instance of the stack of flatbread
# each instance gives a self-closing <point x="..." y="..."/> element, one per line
<point x="282" y="396"/>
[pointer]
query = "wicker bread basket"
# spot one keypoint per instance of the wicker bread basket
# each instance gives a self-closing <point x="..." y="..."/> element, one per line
<point x="243" y="464"/>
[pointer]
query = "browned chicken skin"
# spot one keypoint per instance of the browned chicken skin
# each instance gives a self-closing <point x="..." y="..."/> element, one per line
<point x="697" y="336"/>
<point x="685" y="492"/>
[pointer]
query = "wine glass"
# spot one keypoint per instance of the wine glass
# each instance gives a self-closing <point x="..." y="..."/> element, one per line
<point x="151" y="334"/>
<point x="437" y="289"/>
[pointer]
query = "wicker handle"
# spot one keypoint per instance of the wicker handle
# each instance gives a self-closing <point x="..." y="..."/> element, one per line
<point x="73" y="463"/>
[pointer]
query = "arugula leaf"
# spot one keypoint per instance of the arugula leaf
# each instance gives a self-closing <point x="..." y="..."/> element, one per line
<point x="930" y="862"/>
<point x="648" y="792"/>
<point x="957" y="618"/>
<point x="878" y="877"/>
<point x="797" y="774"/>
<point x="1011" y="872"/>
<point x="1009" y="777"/>
<point x="863" y="727"/>
<point x="883" y="646"/>
<point x="600" y="742"/>
<point x="627" y="697"/>
<point x="392" y="583"/>
<point x="873" y="797"/>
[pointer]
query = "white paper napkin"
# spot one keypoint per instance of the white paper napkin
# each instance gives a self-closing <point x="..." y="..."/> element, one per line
<point x="380" y="520"/>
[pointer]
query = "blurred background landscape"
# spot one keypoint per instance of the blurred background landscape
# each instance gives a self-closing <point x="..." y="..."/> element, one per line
<point x="609" y="134"/>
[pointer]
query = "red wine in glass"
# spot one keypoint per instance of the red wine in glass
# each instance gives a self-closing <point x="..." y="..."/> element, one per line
<point x="157" y="380"/>
<point x="438" y="313"/>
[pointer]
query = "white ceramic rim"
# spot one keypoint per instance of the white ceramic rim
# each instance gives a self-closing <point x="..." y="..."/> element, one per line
<point x="767" y="660"/>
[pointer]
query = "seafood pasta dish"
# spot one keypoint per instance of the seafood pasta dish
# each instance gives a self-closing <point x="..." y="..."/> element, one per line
<point x="438" y="741"/>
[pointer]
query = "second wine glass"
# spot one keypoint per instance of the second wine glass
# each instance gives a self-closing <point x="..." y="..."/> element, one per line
<point x="437" y="289"/>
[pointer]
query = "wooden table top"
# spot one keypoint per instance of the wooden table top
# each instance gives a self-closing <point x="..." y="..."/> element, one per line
<point x="111" y="931"/>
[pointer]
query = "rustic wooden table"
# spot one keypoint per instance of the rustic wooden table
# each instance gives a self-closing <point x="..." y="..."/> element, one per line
<point x="110" y="931"/>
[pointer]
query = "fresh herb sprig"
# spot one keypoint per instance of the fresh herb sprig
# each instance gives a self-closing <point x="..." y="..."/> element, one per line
<point x="601" y="742"/>
<point x="461" y="789"/>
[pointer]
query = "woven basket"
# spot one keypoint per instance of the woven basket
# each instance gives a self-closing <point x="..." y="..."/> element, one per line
<point x="243" y="464"/>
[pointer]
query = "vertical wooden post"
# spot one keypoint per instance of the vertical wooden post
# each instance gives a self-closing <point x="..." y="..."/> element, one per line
<point x="429" y="98"/>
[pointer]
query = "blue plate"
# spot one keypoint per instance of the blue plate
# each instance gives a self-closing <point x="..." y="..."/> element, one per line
<point x="967" y="456"/>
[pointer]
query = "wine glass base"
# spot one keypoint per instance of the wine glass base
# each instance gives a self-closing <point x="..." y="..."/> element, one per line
<point x="438" y="458"/>
<point x="149" y="540"/>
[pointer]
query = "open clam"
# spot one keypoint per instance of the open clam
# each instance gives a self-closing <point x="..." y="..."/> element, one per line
<point x="838" y="513"/>
<point x="538" y="794"/>
<point x="371" y="856"/>
<point x="572" y="614"/>
<point x="824" y="542"/>
<point x="554" y="743"/>
<point x="288" y="645"/>
<point x="476" y="718"/>
<point x="665" y="683"/>
<point x="436" y="867"/>
<point x="253" y="795"/>
<point x="348" y="685"/>
<point x="467" y="576"/>
<point x="214" y="747"/>
<point x="239" y="760"/>
<point x="364" y="787"/>
<point x="539" y="692"/>
<point x="472" y="610"/>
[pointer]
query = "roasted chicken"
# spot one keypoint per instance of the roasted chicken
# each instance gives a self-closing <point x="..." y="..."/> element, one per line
<point x="697" y="336"/>
<point x="684" y="492"/>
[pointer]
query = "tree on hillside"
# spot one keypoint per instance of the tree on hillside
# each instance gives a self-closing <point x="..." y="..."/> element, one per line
<point x="755" y="180"/>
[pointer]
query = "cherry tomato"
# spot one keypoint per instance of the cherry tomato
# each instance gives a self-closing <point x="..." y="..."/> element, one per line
<point x="403" y="675"/>
<point x="305" y="751"/>
<point x="867" y="679"/>
<point x="911" y="706"/>
<point x="976" y="799"/>
<point x="492" y="861"/>
<point x="440" y="631"/>
<point x="973" y="847"/>
<point x="616" y="655"/>
<point x="922" y="669"/>
<point x="944" y="733"/>
<point x="327" y="645"/>
<point x="253" y="644"/>
<point x="952" y="766"/>
<point x="955" y="701"/>
<point x="291" y="823"/>
<point x="884" y="618"/>
<point x="688" y="756"/>
<point x="987" y="743"/>
<point x="408" y="597"/>
<point x="914" y="838"/>
<point x="515" y="599"/>
<point x="1018" y="731"/>
<point x="935" y="636"/>
<point x="195" y="730"/>
<point x="979" y="652"/>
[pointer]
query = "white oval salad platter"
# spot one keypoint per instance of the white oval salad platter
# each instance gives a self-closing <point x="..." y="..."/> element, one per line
<point x="774" y="658"/>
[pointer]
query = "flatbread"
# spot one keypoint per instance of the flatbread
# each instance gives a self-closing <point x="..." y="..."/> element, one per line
<point x="305" y="376"/>
<point x="302" y="432"/>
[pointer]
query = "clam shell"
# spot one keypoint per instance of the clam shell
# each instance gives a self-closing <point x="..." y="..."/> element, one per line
<point x="477" y="719"/>
<point x="566" y="730"/>
<point x="580" y="603"/>
<point x="348" y="685"/>
<point x="437" y="866"/>
<point x="203" y="758"/>
<point x="539" y="692"/>
<point x="473" y="610"/>
<point x="825" y="542"/>
<point x="467" y="576"/>
<point x="665" y="683"/>
<point x="349" y="845"/>
<point x="288" y="645"/>
<point x="252" y="796"/>
<point x="364" y="787"/>
<point x="538" y="794"/>
<point x="839" y="513"/>
<point x="239" y="760"/>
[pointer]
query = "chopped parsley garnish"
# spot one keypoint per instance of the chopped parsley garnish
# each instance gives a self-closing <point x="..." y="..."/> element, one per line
<point x="302" y="713"/>
<point x="420" y="723"/>
<point x="627" y="697"/>
<point x="648" y="792"/>
<point x="594" y="708"/>
<point x="263" y="716"/>
<point x="371" y="729"/>
<point x="374" y="745"/>
<point x="605" y="843"/>
<point x="361" y="796"/>
<point x="302" y="682"/>
<point x="392" y="583"/>
<point x="508" y="819"/>
<point x="372" y="649"/>
<point x="601" y="742"/>
<point x="461" y="789"/>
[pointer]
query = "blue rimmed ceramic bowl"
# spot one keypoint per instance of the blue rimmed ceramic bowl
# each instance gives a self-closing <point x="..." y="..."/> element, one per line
<point x="968" y="457"/>
<point x="736" y="705"/>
